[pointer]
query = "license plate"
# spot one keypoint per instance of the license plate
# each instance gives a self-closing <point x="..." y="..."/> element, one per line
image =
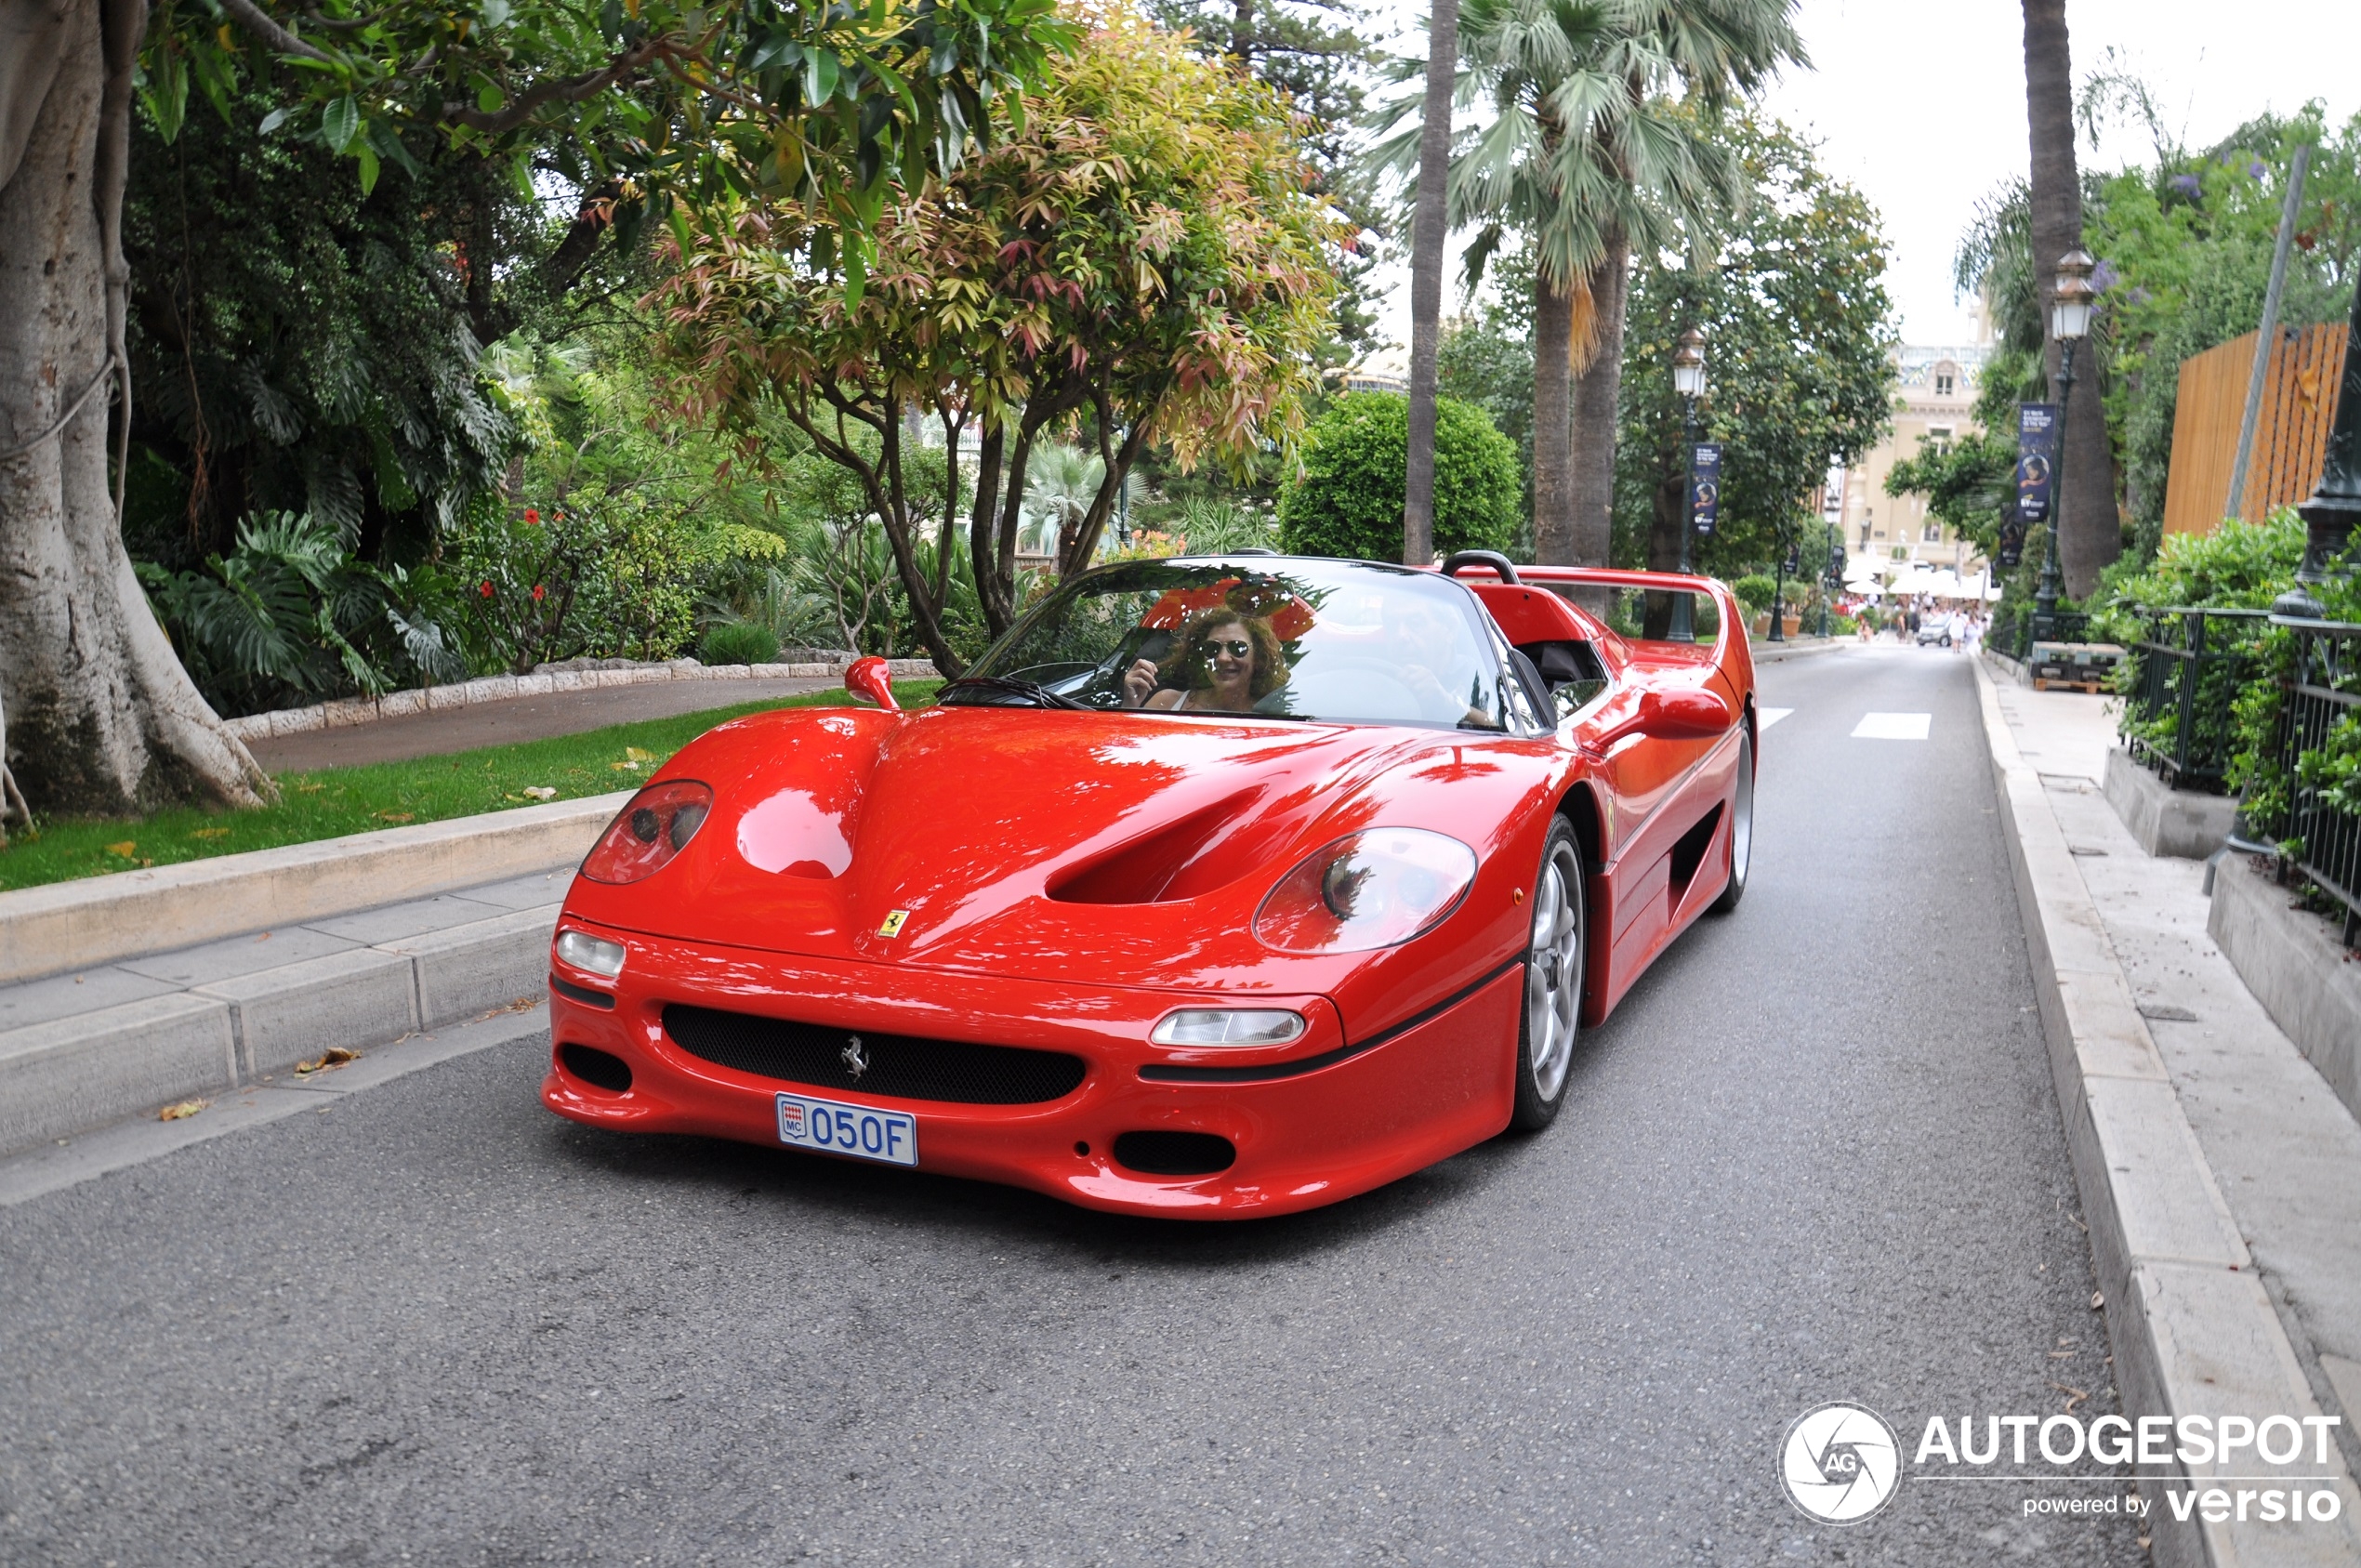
<point x="863" y="1131"/>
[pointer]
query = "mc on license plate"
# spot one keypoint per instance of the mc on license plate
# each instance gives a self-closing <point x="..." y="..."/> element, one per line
<point x="863" y="1131"/>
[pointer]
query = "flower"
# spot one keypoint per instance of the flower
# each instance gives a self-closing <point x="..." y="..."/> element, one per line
<point x="2187" y="184"/>
<point x="2258" y="168"/>
<point x="537" y="591"/>
<point x="2104" y="277"/>
<point x="486" y="588"/>
<point x="533" y="516"/>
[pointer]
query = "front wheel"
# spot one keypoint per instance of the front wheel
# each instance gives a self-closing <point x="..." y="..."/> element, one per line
<point x="1552" y="982"/>
<point x="1741" y="829"/>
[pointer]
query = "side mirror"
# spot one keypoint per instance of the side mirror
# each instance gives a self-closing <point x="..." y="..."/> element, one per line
<point x="868" y="678"/>
<point x="1690" y="714"/>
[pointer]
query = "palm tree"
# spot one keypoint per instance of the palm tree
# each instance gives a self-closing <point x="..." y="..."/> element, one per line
<point x="2088" y="536"/>
<point x="1061" y="483"/>
<point x="1598" y="135"/>
<point x="1428" y="229"/>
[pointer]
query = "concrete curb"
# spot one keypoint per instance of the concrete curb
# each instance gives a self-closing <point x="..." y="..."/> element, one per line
<point x="71" y="1075"/>
<point x="2166" y="821"/>
<point x="2192" y="1329"/>
<point x="501" y="687"/>
<point x="78" y="925"/>
<point x="1780" y="652"/>
<point x="2295" y="967"/>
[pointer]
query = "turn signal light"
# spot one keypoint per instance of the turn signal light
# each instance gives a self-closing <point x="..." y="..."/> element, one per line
<point x="590" y="954"/>
<point x="1228" y="1026"/>
<point x="1375" y="888"/>
<point x="655" y="826"/>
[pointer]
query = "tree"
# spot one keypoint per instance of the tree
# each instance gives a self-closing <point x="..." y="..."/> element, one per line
<point x="828" y="101"/>
<point x="2090" y="534"/>
<point x="1140" y="264"/>
<point x="1429" y="231"/>
<point x="1594" y="139"/>
<point x="1344" y="502"/>
<point x="1802" y="327"/>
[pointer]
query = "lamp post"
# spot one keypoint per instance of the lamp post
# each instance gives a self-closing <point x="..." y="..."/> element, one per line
<point x="2335" y="506"/>
<point x="1779" y="585"/>
<point x="1688" y="380"/>
<point x="2069" y="323"/>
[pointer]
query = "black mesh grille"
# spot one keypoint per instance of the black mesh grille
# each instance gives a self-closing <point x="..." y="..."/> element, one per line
<point x="900" y="1066"/>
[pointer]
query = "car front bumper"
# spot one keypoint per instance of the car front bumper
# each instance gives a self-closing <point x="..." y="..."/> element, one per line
<point x="1316" y="1121"/>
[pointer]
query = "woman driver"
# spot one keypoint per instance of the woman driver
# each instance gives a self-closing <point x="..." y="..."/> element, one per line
<point x="1222" y="661"/>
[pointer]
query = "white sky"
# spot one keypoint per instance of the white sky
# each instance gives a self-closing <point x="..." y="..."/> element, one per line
<point x="1922" y="105"/>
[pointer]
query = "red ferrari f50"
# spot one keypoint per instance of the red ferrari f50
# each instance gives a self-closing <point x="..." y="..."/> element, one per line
<point x="1218" y="887"/>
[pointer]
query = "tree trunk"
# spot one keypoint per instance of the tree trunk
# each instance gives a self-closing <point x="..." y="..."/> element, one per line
<point x="2090" y="534"/>
<point x="1597" y="388"/>
<point x="100" y="717"/>
<point x="1552" y="429"/>
<point x="1428" y="229"/>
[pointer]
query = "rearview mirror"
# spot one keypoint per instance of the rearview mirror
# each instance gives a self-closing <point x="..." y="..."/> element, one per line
<point x="1686" y="713"/>
<point x="869" y="678"/>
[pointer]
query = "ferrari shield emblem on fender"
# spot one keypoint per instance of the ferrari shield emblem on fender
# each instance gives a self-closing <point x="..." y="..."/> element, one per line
<point x="893" y="927"/>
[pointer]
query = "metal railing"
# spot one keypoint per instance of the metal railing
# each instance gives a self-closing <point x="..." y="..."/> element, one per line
<point x="2017" y="627"/>
<point x="2179" y="715"/>
<point x="2322" y="838"/>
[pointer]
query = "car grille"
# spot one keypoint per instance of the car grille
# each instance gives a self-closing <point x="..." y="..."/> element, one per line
<point x="900" y="1066"/>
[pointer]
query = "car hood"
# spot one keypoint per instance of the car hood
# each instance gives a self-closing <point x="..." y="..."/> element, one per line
<point x="1105" y="849"/>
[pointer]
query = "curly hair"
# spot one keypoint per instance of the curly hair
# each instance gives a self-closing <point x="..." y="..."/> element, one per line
<point x="1187" y="667"/>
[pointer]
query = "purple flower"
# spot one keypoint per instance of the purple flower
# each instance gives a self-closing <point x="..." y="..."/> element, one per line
<point x="2137" y="295"/>
<point x="2187" y="184"/>
<point x="2104" y="276"/>
<point x="2258" y="168"/>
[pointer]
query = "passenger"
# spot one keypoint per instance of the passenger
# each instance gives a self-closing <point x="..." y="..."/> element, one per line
<point x="1222" y="661"/>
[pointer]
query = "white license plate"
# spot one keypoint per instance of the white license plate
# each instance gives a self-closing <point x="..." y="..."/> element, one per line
<point x="863" y="1131"/>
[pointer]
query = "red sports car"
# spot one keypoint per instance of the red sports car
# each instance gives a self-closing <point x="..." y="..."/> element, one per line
<point x="1218" y="887"/>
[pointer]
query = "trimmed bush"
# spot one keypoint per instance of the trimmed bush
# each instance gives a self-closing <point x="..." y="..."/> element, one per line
<point x="738" y="642"/>
<point x="1755" y="592"/>
<point x="1348" y="500"/>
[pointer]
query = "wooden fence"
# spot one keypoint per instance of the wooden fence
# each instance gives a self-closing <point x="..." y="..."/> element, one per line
<point x="2290" y="438"/>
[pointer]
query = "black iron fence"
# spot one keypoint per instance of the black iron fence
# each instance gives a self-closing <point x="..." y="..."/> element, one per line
<point x="2322" y="835"/>
<point x="2177" y="716"/>
<point x="2017" y="626"/>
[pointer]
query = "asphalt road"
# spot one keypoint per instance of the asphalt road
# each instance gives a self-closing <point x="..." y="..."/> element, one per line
<point x="1815" y="1156"/>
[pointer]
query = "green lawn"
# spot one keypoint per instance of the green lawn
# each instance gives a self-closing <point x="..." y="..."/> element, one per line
<point x="341" y="801"/>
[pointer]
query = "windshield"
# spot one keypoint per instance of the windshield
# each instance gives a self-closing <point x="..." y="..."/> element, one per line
<point x="1348" y="641"/>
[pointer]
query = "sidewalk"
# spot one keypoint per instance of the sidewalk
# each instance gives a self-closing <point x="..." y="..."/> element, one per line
<point x="2276" y="1147"/>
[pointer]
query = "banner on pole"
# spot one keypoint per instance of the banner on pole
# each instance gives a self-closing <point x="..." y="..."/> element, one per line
<point x="2036" y="477"/>
<point x="1705" y="486"/>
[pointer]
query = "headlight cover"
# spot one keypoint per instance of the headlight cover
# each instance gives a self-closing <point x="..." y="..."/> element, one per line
<point x="1228" y="1026"/>
<point x="591" y="954"/>
<point x="657" y="825"/>
<point x="1378" y="887"/>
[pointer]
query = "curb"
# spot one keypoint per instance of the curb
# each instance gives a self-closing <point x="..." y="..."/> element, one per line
<point x="2192" y="1329"/>
<point x="2286" y="957"/>
<point x="501" y="687"/>
<point x="96" y="920"/>
<point x="1780" y="652"/>
<point x="2179" y="822"/>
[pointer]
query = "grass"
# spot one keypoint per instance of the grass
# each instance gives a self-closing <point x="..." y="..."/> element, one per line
<point x="340" y="800"/>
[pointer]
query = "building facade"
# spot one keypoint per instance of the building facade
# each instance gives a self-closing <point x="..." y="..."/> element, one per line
<point x="1886" y="536"/>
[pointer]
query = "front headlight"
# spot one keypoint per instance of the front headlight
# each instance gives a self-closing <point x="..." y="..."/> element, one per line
<point x="1228" y="1026"/>
<point x="1374" y="889"/>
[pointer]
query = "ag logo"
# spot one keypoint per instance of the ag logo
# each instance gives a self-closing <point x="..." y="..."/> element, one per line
<point x="1839" y="1463"/>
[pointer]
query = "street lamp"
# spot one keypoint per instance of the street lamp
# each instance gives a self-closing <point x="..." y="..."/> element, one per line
<point x="2069" y="323"/>
<point x="1688" y="379"/>
<point x="2334" y="504"/>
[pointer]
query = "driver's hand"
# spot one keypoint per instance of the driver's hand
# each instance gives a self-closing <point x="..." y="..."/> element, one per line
<point x="1422" y="680"/>
<point x="1139" y="682"/>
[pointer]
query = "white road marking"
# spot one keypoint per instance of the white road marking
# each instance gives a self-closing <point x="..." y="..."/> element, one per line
<point x="1767" y="717"/>
<point x="1893" y="727"/>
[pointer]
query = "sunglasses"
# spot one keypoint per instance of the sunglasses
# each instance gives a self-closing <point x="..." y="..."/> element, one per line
<point x="1236" y="647"/>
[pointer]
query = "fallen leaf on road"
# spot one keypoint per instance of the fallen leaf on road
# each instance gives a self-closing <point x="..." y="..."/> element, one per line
<point x="2078" y="1394"/>
<point x="541" y="792"/>
<point x="209" y="833"/>
<point x="127" y="848"/>
<point x="2098" y="1300"/>
<point x="396" y="816"/>
<point x="182" y="1111"/>
<point x="336" y="1055"/>
<point x="522" y="1004"/>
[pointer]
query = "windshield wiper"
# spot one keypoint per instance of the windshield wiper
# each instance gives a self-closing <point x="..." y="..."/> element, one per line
<point x="1040" y="695"/>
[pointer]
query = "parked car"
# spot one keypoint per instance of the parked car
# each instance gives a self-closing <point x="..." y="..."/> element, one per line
<point x="1217" y="888"/>
<point x="1934" y="629"/>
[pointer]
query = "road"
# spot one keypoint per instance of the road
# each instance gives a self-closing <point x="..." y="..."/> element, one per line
<point x="1815" y="1156"/>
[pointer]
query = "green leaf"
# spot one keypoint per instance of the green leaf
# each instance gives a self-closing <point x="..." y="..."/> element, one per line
<point x="368" y="169"/>
<point x="856" y="269"/>
<point x="273" y="120"/>
<point x="168" y="96"/>
<point x="339" y="122"/>
<point x="489" y="97"/>
<point x="496" y="14"/>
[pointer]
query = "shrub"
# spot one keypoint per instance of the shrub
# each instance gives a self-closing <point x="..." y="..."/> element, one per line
<point x="738" y="642"/>
<point x="1755" y="591"/>
<point x="1348" y="500"/>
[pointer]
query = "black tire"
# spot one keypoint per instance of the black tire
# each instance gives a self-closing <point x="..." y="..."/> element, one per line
<point x="1741" y="829"/>
<point x="1551" y="1017"/>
